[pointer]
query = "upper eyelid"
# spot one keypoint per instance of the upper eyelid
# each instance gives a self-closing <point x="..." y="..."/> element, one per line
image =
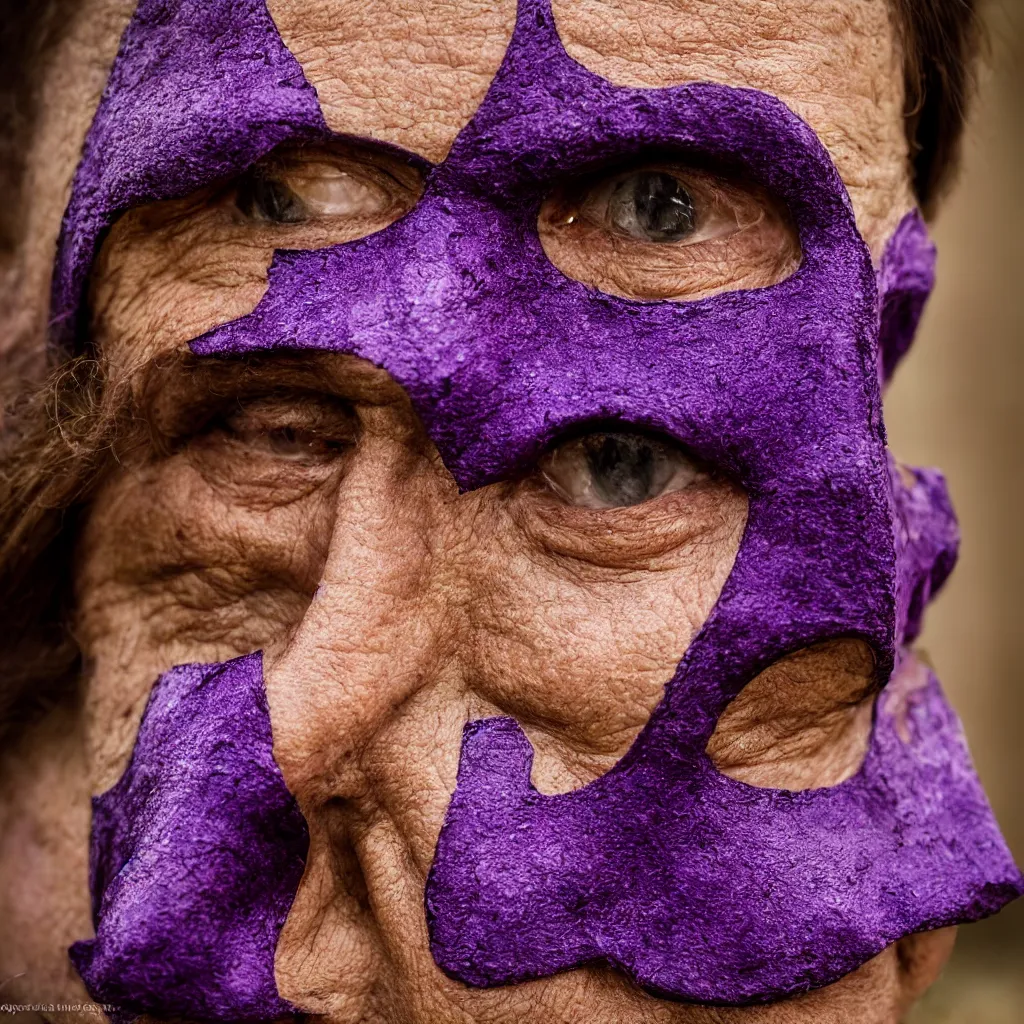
<point x="611" y="427"/>
<point x="280" y="169"/>
<point x="373" y="161"/>
<point x="206" y="419"/>
<point x="184" y="379"/>
<point x="302" y="405"/>
<point x="251" y="399"/>
<point x="696" y="173"/>
<point x="188" y="410"/>
<point x="681" y="163"/>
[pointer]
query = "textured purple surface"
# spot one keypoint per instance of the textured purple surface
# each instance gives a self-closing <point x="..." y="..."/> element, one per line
<point x="905" y="280"/>
<point x="197" y="854"/>
<point x="199" y="91"/>
<point x="697" y="886"/>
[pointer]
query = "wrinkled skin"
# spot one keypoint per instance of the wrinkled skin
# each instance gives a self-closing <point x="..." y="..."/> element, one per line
<point x="256" y="488"/>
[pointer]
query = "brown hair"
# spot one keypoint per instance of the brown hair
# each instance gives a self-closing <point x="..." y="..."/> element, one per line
<point x="940" y="41"/>
<point x="57" y="445"/>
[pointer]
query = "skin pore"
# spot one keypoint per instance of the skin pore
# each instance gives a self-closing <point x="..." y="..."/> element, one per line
<point x="294" y="503"/>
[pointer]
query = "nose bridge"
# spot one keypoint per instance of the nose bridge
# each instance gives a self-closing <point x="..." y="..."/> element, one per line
<point x="374" y="632"/>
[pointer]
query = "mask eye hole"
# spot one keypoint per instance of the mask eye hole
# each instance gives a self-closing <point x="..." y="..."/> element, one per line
<point x="171" y="270"/>
<point x="668" y="231"/>
<point x="618" y="469"/>
<point x="805" y="721"/>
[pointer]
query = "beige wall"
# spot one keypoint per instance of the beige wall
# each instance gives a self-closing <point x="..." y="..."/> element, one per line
<point x="958" y="403"/>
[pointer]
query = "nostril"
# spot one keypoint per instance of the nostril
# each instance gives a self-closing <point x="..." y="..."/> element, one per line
<point x="347" y="871"/>
<point x="330" y="955"/>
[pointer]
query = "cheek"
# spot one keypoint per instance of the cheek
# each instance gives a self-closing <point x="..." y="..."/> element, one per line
<point x="574" y="631"/>
<point x="804" y="722"/>
<point x="157" y="288"/>
<point x="579" y="651"/>
<point x="177" y="565"/>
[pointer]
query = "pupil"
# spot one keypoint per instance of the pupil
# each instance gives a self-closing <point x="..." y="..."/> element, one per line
<point x="284" y="439"/>
<point x="663" y="208"/>
<point x="622" y="467"/>
<point x="263" y="198"/>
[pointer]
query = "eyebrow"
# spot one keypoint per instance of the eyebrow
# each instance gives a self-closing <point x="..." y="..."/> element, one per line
<point x="171" y="392"/>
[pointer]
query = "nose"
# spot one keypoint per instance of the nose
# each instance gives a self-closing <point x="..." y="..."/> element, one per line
<point x="375" y="630"/>
<point x="357" y="705"/>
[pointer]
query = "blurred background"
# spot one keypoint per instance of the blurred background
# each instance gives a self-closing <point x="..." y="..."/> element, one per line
<point x="957" y="403"/>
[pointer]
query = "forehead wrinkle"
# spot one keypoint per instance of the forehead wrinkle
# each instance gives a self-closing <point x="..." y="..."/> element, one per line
<point x="406" y="72"/>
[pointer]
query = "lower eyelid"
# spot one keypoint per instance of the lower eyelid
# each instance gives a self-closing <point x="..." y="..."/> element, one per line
<point x="266" y="435"/>
<point x="758" y="254"/>
<point x="691" y="480"/>
<point x="257" y="467"/>
<point x="630" y="537"/>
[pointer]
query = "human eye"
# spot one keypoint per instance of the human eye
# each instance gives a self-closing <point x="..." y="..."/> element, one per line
<point x="653" y="206"/>
<point x="662" y="207"/>
<point x="171" y="270"/>
<point x="282" y="427"/>
<point x="290" y="429"/>
<point x="344" y="192"/>
<point x="604" y="470"/>
<point x="667" y="231"/>
<point x="253" y="416"/>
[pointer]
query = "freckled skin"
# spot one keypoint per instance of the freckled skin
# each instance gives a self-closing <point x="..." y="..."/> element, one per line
<point x="431" y="608"/>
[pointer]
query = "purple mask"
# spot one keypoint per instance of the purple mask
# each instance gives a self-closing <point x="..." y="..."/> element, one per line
<point x="697" y="886"/>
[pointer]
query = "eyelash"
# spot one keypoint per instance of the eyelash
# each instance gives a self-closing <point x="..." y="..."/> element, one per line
<point x="271" y="411"/>
<point x="344" y="191"/>
<point x="666" y="231"/>
<point x="288" y="442"/>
